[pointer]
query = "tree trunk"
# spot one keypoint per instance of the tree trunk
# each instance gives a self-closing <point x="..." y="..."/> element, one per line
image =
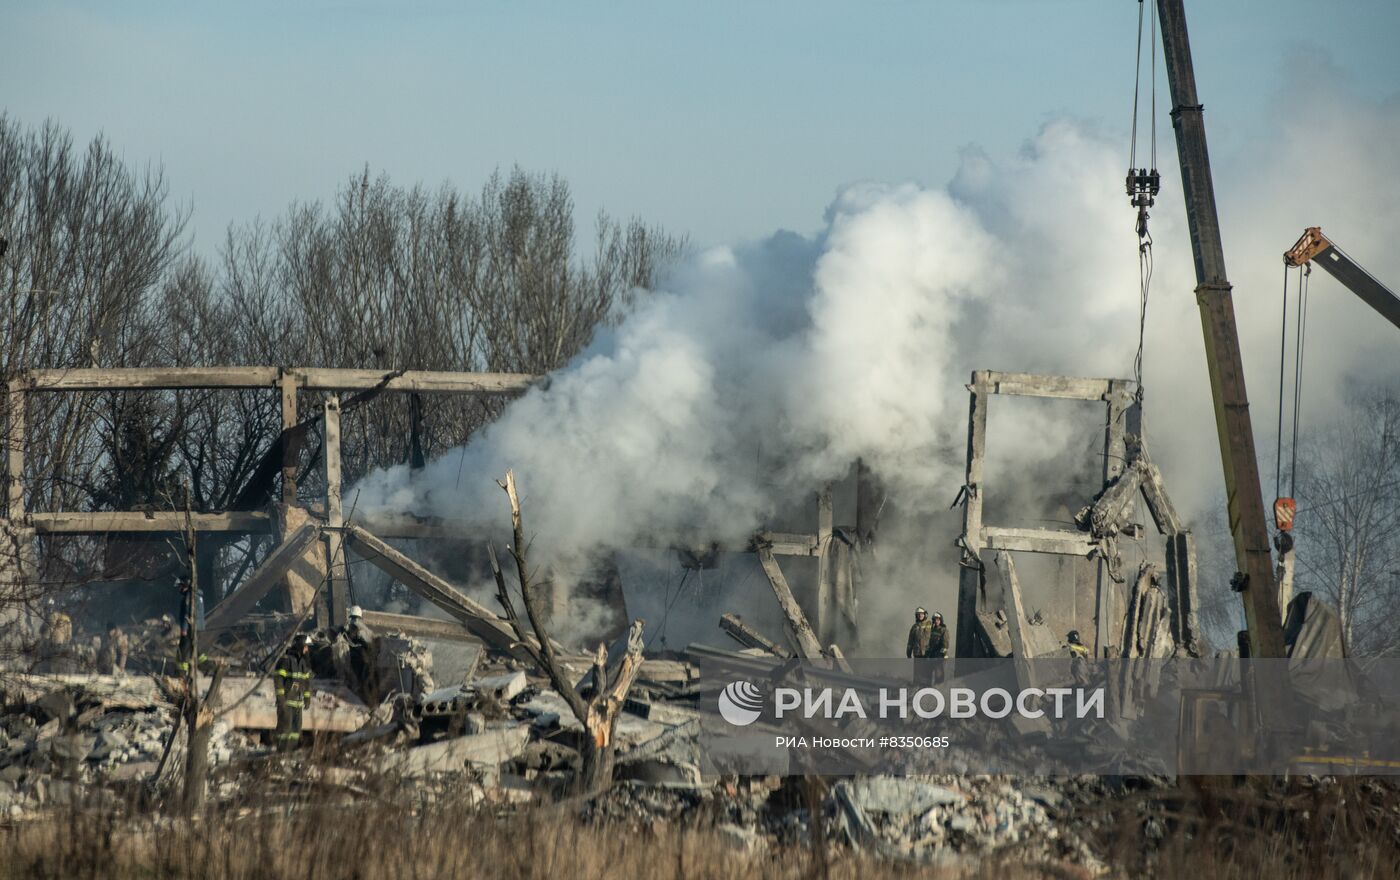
<point x="596" y="774"/>
<point x="199" y="722"/>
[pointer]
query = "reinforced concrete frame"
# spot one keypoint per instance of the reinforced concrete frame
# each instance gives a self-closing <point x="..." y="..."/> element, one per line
<point x="1126" y="471"/>
<point x="831" y="599"/>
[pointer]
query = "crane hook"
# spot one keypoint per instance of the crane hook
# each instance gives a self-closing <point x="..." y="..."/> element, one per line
<point x="1143" y="185"/>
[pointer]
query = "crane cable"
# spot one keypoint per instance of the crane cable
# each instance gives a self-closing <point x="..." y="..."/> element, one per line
<point x="1137" y="84"/>
<point x="1299" y="347"/>
<point x="1144" y="287"/>
<point x="1143" y="184"/>
<point x="1300" y="338"/>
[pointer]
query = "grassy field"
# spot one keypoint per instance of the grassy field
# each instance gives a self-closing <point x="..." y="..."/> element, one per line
<point x="1232" y="831"/>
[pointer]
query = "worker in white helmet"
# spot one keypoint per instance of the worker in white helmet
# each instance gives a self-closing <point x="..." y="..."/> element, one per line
<point x="363" y="652"/>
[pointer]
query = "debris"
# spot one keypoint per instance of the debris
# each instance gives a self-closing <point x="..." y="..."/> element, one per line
<point x="248" y="703"/>
<point x="501" y="687"/>
<point x="491" y="748"/>
<point x="743" y="839"/>
<point x="750" y="637"/>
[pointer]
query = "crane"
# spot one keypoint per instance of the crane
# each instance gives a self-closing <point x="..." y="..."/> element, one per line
<point x="1314" y="247"/>
<point x="1267" y="703"/>
<point x="1248" y="521"/>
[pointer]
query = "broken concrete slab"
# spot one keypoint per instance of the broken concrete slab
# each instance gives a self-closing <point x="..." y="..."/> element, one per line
<point x="491" y="748"/>
<point x="631" y="730"/>
<point x="659" y="711"/>
<point x="506" y="686"/>
<point x="893" y="795"/>
<point x="661" y="771"/>
<point x="454" y="661"/>
<point x="666" y="671"/>
<point x="248" y="703"/>
<point x="132" y="771"/>
<point x="113" y="691"/>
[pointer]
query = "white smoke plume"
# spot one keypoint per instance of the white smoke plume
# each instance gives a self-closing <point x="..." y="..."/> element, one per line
<point x="761" y="371"/>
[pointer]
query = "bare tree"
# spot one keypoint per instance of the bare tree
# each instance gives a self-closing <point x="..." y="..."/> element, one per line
<point x="1348" y="524"/>
<point x="405" y="278"/>
<point x="90" y="241"/>
<point x="383" y="277"/>
<point x="599" y="711"/>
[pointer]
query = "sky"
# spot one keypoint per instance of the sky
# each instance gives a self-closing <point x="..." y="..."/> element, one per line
<point x="959" y="163"/>
<point x="721" y="120"/>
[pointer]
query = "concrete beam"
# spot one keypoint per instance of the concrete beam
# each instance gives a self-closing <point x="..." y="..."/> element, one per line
<point x="419" y="627"/>
<point x="751" y="638"/>
<point x="149" y="522"/>
<point x="477" y="618"/>
<point x="309" y="378"/>
<point x="1059" y="541"/>
<point x="1016" y="620"/>
<point x="805" y="640"/>
<point x="970" y="566"/>
<point x="335" y="553"/>
<point x="14" y="453"/>
<point x="1031" y="385"/>
<point x="261" y="581"/>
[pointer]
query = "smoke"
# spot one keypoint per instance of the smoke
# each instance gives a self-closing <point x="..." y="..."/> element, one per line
<point x="760" y="371"/>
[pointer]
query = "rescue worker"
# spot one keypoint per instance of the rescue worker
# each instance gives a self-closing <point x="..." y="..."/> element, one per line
<point x="292" y="683"/>
<point x="111" y="659"/>
<point x="57" y="651"/>
<point x="363" y="654"/>
<point x="920" y="647"/>
<point x="357" y="631"/>
<point x="1078" y="659"/>
<point x="58" y="629"/>
<point x="938" y="647"/>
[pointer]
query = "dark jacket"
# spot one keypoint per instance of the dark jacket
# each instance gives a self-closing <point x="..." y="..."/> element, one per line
<point x="292" y="679"/>
<point x="939" y="646"/>
<point x="927" y="639"/>
<point x="920" y="637"/>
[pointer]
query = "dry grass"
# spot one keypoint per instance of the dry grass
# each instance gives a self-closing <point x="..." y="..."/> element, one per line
<point x="1233" y="828"/>
<point x="1226" y="831"/>
<point x="322" y="842"/>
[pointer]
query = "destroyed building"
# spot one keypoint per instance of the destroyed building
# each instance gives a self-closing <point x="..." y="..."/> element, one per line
<point x="1118" y="611"/>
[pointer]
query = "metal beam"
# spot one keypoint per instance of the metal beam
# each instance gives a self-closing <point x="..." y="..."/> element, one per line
<point x="1360" y="282"/>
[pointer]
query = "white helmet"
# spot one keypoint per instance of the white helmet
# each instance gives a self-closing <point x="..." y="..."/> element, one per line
<point x="356" y="612"/>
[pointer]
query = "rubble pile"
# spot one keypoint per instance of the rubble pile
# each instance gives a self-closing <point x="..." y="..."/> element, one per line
<point x="85" y="734"/>
<point x="495" y="733"/>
